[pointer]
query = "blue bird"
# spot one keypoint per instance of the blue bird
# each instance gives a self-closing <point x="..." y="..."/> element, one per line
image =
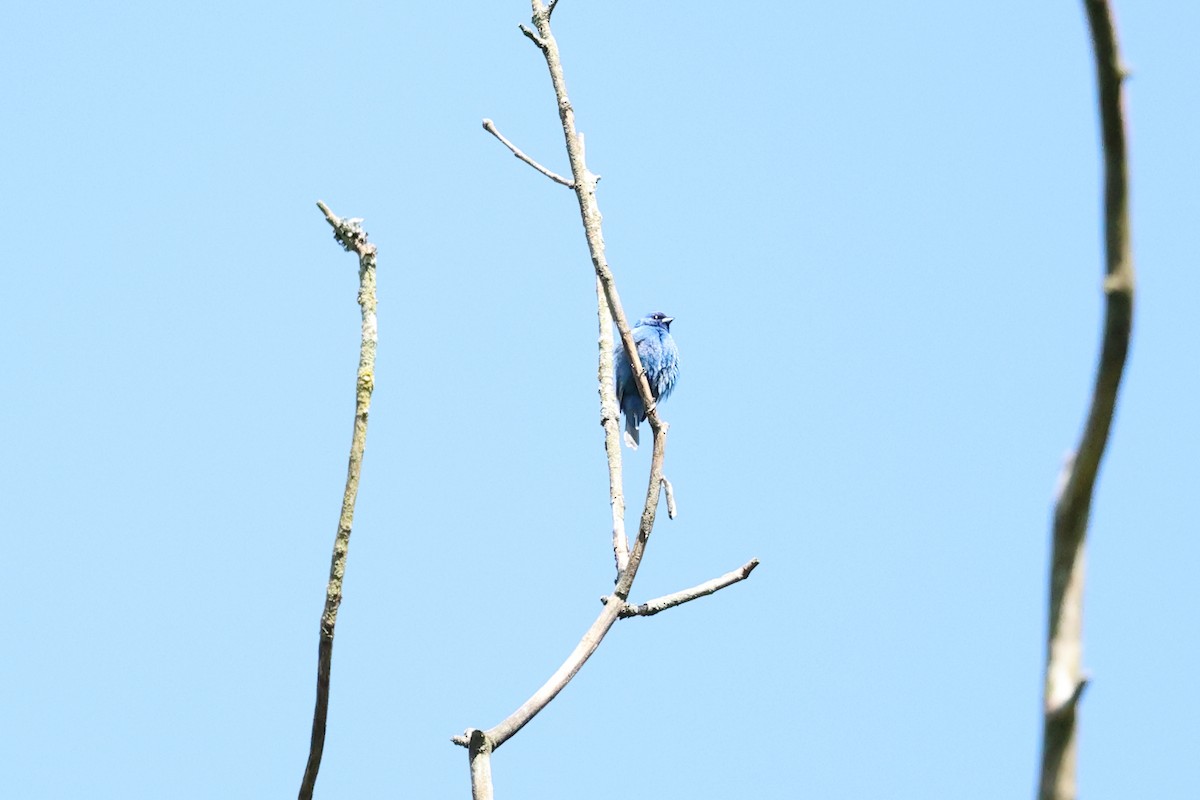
<point x="659" y="357"/>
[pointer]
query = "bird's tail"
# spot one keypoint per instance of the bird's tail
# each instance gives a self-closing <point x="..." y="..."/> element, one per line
<point x="631" y="431"/>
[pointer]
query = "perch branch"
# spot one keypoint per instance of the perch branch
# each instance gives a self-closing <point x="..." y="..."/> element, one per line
<point x="589" y="209"/>
<point x="652" y="607"/>
<point x="490" y="127"/>
<point x="1065" y="680"/>
<point x="350" y="234"/>
<point x="585" y="191"/>
<point x="610" y="419"/>
<point x="608" y="306"/>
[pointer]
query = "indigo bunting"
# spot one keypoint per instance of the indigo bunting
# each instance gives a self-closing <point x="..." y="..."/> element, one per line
<point x="660" y="359"/>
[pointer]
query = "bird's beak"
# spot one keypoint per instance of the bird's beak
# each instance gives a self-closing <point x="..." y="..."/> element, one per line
<point x="668" y="320"/>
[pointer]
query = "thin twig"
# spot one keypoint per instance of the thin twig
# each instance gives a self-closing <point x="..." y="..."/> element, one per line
<point x="610" y="420"/>
<point x="350" y="234"/>
<point x="533" y="37"/>
<point x="652" y="607"/>
<point x="490" y="127"/>
<point x="550" y="8"/>
<point x="669" y="491"/>
<point x="1065" y="679"/>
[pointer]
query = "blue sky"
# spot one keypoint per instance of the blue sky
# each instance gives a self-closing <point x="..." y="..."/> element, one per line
<point x="877" y="227"/>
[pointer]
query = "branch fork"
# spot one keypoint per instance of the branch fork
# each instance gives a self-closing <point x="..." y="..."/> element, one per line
<point x="609" y="312"/>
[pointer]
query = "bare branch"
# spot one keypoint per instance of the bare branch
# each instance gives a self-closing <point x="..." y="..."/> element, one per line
<point x="589" y="209"/>
<point x="490" y="127"/>
<point x="550" y="9"/>
<point x="541" y="698"/>
<point x="585" y="191"/>
<point x="669" y="491"/>
<point x="1064" y="653"/>
<point x="610" y="419"/>
<point x="608" y="306"/>
<point x="1067" y="709"/>
<point x="350" y="234"/>
<point x="652" y="607"/>
<point x="480" y="755"/>
<point x="533" y="37"/>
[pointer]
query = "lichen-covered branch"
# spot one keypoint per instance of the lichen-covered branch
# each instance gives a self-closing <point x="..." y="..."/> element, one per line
<point x="1065" y="678"/>
<point x="350" y="235"/>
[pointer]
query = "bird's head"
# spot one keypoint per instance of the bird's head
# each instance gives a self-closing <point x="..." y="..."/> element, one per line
<point x="657" y="320"/>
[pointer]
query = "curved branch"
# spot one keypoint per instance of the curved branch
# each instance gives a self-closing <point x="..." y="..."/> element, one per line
<point x="505" y="730"/>
<point x="350" y="234"/>
<point x="1065" y="680"/>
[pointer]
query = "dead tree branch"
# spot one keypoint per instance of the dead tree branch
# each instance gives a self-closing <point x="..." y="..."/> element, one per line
<point x="350" y="235"/>
<point x="1065" y="679"/>
<point x="652" y="607"/>
<point x="608" y="308"/>
<point x="490" y="127"/>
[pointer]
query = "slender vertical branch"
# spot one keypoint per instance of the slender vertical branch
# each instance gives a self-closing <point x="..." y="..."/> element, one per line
<point x="589" y="209"/>
<point x="610" y="418"/>
<point x="350" y="235"/>
<point x="649" y="512"/>
<point x="1065" y="679"/>
<point x="479" y="754"/>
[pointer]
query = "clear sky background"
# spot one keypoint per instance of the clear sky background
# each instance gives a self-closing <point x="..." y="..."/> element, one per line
<point x="877" y="225"/>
